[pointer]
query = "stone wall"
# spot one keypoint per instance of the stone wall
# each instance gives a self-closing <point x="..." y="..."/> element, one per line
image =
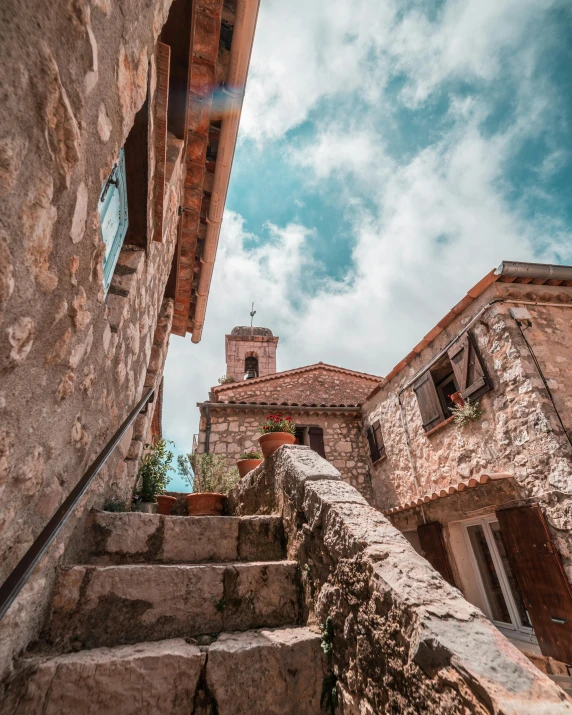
<point x="402" y="639"/>
<point x="315" y="386"/>
<point x="519" y="432"/>
<point x="234" y="431"/>
<point x="73" y="362"/>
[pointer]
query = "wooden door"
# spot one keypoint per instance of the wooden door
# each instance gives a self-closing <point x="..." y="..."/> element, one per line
<point x="433" y="546"/>
<point x="545" y="589"/>
<point x="316" y="435"/>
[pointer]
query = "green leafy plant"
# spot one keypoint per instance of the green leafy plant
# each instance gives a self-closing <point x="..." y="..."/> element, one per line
<point x="252" y="454"/>
<point x="207" y="473"/>
<point x="277" y="423"/>
<point x="115" y="505"/>
<point x="154" y="470"/>
<point x="225" y="379"/>
<point x="329" y="697"/>
<point x="467" y="413"/>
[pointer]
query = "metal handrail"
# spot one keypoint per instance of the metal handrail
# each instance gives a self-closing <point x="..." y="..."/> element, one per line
<point x="24" y="568"/>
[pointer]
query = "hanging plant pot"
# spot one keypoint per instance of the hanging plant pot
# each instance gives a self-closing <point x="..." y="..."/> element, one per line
<point x="165" y="504"/>
<point x="205" y="504"/>
<point x="247" y="465"/>
<point x="457" y="399"/>
<point x="270" y="442"/>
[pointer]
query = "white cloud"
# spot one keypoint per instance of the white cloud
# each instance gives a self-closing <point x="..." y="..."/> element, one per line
<point x="435" y="223"/>
<point x="305" y="52"/>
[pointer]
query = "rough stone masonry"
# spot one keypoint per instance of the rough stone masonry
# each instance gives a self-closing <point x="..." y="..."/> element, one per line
<point x="402" y="640"/>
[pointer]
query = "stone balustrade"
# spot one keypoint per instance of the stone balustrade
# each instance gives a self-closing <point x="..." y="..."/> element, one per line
<point x="402" y="639"/>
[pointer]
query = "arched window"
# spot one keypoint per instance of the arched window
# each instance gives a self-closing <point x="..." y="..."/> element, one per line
<point x="250" y="367"/>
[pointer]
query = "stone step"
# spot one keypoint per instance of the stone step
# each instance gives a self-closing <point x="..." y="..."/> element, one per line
<point x="96" y="606"/>
<point x="151" y="538"/>
<point x="265" y="672"/>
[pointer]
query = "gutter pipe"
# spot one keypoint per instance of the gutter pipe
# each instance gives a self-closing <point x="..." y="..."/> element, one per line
<point x="239" y="61"/>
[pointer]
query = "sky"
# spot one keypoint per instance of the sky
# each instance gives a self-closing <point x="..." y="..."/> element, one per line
<point x="390" y="154"/>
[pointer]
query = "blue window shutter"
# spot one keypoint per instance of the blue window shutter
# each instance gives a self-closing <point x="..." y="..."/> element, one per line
<point x="113" y="217"/>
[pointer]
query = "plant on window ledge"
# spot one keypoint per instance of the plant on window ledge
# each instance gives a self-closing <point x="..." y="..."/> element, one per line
<point x="467" y="413"/>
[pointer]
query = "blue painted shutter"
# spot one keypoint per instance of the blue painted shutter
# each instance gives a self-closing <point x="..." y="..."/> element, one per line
<point x="113" y="217"/>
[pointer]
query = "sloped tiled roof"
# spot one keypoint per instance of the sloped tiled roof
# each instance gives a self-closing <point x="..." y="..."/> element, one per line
<point x="298" y="370"/>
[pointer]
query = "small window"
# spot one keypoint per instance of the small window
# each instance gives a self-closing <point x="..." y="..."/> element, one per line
<point x="461" y="370"/>
<point x="312" y="436"/>
<point x="375" y="441"/>
<point x="113" y="217"/>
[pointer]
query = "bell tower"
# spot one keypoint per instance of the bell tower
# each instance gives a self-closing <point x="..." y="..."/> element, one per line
<point x="250" y="352"/>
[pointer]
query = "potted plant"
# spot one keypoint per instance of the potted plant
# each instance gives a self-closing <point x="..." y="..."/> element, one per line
<point x="276" y="431"/>
<point x="248" y="461"/>
<point x="210" y="479"/>
<point x="153" y="479"/>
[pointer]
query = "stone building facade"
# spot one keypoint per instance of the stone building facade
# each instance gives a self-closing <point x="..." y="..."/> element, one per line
<point x="323" y="401"/>
<point x="489" y="503"/>
<point x="114" y="164"/>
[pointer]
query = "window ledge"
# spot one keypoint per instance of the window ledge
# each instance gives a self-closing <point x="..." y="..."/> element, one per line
<point x="440" y="426"/>
<point x="380" y="459"/>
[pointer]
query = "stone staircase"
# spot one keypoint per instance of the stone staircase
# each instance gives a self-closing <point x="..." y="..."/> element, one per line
<point x="170" y="614"/>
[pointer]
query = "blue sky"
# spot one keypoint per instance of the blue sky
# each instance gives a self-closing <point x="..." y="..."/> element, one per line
<point x="390" y="155"/>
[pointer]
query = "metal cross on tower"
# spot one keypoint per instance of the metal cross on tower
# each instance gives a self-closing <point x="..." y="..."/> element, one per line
<point x="252" y="314"/>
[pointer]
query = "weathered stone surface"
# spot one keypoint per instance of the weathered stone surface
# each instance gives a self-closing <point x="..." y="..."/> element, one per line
<point x="134" y="538"/>
<point x="38" y="218"/>
<point x="62" y="130"/>
<point x="123" y="536"/>
<point x="261" y="538"/>
<point x="79" y="214"/>
<point x="266" y="672"/>
<point x="63" y="389"/>
<point x="142" y="679"/>
<point x="21" y="337"/>
<point x="111" y="605"/>
<point x="404" y="640"/>
<point x="207" y="538"/>
<point x="259" y="594"/>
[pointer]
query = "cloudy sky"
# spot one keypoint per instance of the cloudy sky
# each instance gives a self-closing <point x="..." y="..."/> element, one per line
<point x="391" y="153"/>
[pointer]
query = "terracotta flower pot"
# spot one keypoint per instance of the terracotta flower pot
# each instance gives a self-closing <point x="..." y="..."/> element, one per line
<point x="270" y="442"/>
<point x="166" y="504"/>
<point x="457" y="399"/>
<point x="247" y="465"/>
<point x="205" y="504"/>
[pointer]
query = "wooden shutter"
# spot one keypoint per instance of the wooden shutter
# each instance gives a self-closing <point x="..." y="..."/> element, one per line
<point x="429" y="404"/>
<point x="316" y="435"/>
<point x="378" y="437"/>
<point x="113" y="216"/>
<point x="433" y="546"/>
<point x="373" y="451"/>
<point x="163" y="59"/>
<point x="468" y="368"/>
<point x="545" y="589"/>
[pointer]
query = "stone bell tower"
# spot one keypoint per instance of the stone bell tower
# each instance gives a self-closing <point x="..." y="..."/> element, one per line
<point x="250" y="351"/>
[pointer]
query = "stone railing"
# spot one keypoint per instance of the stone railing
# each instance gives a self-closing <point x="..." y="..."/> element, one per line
<point x="399" y="637"/>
